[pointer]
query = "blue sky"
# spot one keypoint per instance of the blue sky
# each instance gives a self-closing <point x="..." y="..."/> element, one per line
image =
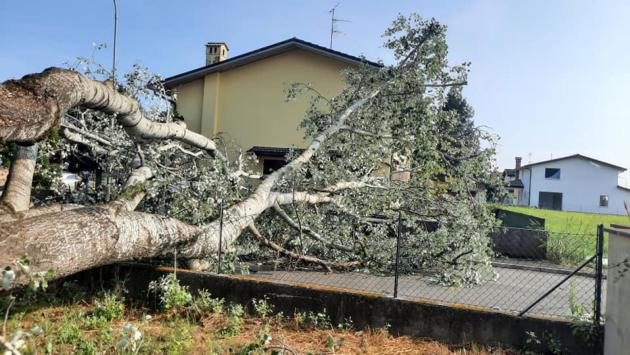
<point x="551" y="78"/>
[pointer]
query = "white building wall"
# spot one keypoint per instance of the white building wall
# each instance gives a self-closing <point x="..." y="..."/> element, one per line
<point x="581" y="184"/>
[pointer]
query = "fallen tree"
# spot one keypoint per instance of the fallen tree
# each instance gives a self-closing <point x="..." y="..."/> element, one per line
<point x="332" y="204"/>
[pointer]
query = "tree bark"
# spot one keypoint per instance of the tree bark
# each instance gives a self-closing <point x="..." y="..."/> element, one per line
<point x="35" y="105"/>
<point x="17" y="191"/>
<point x="79" y="239"/>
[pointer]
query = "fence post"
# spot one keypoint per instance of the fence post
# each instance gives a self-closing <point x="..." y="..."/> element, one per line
<point x="220" y="236"/>
<point x="397" y="254"/>
<point x="599" y="270"/>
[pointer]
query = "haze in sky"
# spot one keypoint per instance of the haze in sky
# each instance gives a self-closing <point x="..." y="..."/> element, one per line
<point x="551" y="78"/>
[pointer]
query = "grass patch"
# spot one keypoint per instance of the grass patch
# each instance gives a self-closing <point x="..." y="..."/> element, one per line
<point x="572" y="235"/>
<point x="69" y="327"/>
<point x="570" y="222"/>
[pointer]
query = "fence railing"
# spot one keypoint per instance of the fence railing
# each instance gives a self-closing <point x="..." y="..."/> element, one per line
<point x="535" y="272"/>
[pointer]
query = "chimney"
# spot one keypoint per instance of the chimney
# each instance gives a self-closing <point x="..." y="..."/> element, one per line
<point x="216" y="52"/>
<point x="518" y="162"/>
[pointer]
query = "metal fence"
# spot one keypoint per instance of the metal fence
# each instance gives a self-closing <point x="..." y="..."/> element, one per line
<point x="557" y="274"/>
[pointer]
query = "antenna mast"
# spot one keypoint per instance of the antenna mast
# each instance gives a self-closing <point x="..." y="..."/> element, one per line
<point x="333" y="21"/>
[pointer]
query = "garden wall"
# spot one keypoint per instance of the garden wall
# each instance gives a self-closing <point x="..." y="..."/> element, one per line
<point x="449" y="324"/>
<point x="617" y="336"/>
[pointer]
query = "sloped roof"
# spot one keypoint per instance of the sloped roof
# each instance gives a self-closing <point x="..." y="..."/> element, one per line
<point x="262" y="53"/>
<point x="509" y="172"/>
<point x="623" y="188"/>
<point x="579" y="156"/>
<point x="516" y="184"/>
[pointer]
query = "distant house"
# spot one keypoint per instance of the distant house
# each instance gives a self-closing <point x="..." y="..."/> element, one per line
<point x="571" y="183"/>
<point x="513" y="185"/>
<point x="244" y="98"/>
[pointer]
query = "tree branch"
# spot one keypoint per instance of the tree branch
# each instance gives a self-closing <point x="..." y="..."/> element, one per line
<point x="308" y="231"/>
<point x="80" y="139"/>
<point x="17" y="193"/>
<point x="10" y="348"/>
<point x="133" y="192"/>
<point x="366" y="133"/>
<point x="328" y="265"/>
<point x="36" y="104"/>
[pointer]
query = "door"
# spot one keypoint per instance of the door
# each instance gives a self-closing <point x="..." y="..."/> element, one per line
<point x="550" y="200"/>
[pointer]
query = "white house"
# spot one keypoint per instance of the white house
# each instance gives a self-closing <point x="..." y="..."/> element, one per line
<point x="572" y="183"/>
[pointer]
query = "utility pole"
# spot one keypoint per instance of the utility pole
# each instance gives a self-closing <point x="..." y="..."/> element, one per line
<point x="115" y="39"/>
<point x="333" y="21"/>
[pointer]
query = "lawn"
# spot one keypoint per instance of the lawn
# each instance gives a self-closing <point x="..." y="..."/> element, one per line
<point x="572" y="235"/>
<point x="570" y="222"/>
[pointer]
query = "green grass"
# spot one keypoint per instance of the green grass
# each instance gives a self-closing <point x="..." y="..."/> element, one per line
<point x="570" y="222"/>
<point x="572" y="235"/>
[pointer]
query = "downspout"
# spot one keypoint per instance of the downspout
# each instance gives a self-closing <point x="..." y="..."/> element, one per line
<point x="529" y="193"/>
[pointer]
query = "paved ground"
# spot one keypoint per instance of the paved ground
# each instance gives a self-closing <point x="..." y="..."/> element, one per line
<point x="512" y="291"/>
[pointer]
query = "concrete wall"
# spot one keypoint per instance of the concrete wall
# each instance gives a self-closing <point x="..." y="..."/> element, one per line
<point x="581" y="184"/>
<point x="248" y="103"/>
<point x="449" y="324"/>
<point x="617" y="337"/>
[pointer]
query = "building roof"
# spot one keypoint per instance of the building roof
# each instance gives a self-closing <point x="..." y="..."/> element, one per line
<point x="509" y="172"/>
<point x="515" y="184"/>
<point x="579" y="156"/>
<point x="623" y="188"/>
<point x="262" y="53"/>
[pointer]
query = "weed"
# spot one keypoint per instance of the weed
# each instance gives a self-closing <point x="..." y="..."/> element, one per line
<point x="235" y="320"/>
<point x="582" y="319"/>
<point x="110" y="307"/>
<point x="173" y="296"/>
<point x="181" y="339"/>
<point x="262" y="307"/>
<point x="547" y="344"/>
<point x="331" y="344"/>
<point x="206" y="304"/>
<point x="347" y="324"/>
<point x="130" y="339"/>
<point x="319" y="320"/>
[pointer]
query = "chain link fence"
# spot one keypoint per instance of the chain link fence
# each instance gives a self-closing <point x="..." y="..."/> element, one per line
<point x="535" y="272"/>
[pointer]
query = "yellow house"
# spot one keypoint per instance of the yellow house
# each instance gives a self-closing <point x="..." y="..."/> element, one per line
<point x="243" y="98"/>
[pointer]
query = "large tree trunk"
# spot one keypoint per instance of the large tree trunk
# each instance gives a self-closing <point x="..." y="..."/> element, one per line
<point x="82" y="238"/>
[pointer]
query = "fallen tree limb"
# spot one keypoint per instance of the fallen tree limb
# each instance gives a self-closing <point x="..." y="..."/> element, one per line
<point x="328" y="265"/>
<point x="33" y="106"/>
<point x="280" y="212"/>
<point x="17" y="193"/>
<point x="74" y="240"/>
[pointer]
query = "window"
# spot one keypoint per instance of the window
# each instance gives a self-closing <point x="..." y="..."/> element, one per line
<point x="271" y="165"/>
<point x="552" y="173"/>
<point x="603" y="201"/>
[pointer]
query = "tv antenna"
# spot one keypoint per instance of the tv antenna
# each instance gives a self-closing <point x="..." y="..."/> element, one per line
<point x="333" y="23"/>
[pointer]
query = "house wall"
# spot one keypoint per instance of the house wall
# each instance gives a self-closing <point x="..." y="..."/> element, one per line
<point x="248" y="104"/>
<point x="190" y="102"/>
<point x="581" y="183"/>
